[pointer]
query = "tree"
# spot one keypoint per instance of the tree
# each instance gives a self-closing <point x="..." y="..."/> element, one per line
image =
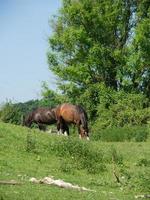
<point x="95" y="42"/>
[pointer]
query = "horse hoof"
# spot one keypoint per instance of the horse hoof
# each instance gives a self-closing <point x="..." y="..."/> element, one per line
<point x="65" y="133"/>
<point x="88" y="138"/>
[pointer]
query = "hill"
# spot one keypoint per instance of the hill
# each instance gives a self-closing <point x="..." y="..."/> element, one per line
<point x="116" y="170"/>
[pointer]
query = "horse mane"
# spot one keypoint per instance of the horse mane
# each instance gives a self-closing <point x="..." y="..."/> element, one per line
<point x="81" y="110"/>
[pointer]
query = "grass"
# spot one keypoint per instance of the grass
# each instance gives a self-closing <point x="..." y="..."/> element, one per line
<point x="26" y="153"/>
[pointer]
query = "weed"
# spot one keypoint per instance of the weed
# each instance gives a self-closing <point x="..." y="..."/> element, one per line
<point x="117" y="158"/>
<point x="30" y="143"/>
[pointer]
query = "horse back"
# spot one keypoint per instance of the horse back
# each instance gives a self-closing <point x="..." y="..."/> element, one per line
<point x="71" y="113"/>
<point x="44" y="115"/>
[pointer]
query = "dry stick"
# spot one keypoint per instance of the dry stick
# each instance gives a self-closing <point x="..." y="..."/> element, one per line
<point x="114" y="171"/>
<point x="11" y="182"/>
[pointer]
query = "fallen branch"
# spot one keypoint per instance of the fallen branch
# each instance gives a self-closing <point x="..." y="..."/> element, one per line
<point x="59" y="183"/>
<point x="11" y="182"/>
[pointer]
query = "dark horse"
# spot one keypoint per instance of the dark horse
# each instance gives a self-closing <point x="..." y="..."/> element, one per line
<point x="68" y="113"/>
<point x="40" y="116"/>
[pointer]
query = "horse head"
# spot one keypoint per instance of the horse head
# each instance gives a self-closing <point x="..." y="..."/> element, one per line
<point x="84" y="132"/>
<point x="27" y="121"/>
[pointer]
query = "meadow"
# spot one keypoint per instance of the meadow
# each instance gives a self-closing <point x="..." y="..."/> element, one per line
<point x="116" y="170"/>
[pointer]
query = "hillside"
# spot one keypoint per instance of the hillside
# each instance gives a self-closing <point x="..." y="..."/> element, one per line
<point x="27" y="153"/>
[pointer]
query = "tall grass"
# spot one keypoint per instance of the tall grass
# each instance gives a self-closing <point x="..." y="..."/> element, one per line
<point x="121" y="134"/>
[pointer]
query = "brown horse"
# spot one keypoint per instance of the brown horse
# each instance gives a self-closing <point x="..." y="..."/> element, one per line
<point x="68" y="113"/>
<point x="40" y="116"/>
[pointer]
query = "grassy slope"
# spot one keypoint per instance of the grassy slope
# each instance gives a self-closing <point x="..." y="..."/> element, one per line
<point x="26" y="153"/>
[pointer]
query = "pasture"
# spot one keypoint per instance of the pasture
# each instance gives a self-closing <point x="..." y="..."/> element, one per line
<point x="115" y="170"/>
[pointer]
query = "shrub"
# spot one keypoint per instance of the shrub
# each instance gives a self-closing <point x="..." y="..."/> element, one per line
<point x="10" y="114"/>
<point x="118" y="109"/>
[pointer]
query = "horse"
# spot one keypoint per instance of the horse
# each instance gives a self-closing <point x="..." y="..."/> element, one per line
<point x="40" y="116"/>
<point x="68" y="113"/>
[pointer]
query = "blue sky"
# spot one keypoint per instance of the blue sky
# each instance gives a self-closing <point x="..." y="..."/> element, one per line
<point x="24" y="30"/>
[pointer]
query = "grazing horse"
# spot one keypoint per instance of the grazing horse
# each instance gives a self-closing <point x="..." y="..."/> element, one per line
<point x="40" y="116"/>
<point x="68" y="113"/>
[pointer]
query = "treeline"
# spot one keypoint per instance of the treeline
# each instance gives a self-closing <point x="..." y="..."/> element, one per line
<point x="14" y="112"/>
<point x="99" y="52"/>
<point x="113" y="108"/>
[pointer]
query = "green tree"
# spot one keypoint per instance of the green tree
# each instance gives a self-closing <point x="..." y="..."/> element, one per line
<point x="88" y="41"/>
<point x="50" y="98"/>
<point x="100" y="41"/>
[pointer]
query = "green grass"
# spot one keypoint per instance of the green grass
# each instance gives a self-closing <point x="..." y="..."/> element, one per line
<point x="26" y="153"/>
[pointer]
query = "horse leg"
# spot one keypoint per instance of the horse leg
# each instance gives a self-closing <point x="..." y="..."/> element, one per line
<point x="78" y="126"/>
<point x="42" y="127"/>
<point x="65" y="129"/>
<point x="59" y="126"/>
<point x="62" y="127"/>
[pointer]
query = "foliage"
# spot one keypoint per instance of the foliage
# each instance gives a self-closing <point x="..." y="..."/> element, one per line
<point x="50" y="98"/>
<point x="101" y="42"/>
<point x="137" y="70"/>
<point x="89" y="38"/>
<point x="10" y="114"/>
<point x="120" y="108"/>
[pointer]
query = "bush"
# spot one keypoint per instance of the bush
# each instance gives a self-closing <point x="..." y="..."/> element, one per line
<point x="120" y="134"/>
<point x="118" y="109"/>
<point x="10" y="114"/>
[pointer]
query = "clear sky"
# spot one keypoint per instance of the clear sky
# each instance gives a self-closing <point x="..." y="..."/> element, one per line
<point x="24" y="30"/>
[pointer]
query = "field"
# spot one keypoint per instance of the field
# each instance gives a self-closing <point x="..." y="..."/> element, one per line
<point x="115" y="170"/>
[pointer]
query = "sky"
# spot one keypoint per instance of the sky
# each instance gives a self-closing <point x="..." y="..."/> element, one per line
<point x="24" y="32"/>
